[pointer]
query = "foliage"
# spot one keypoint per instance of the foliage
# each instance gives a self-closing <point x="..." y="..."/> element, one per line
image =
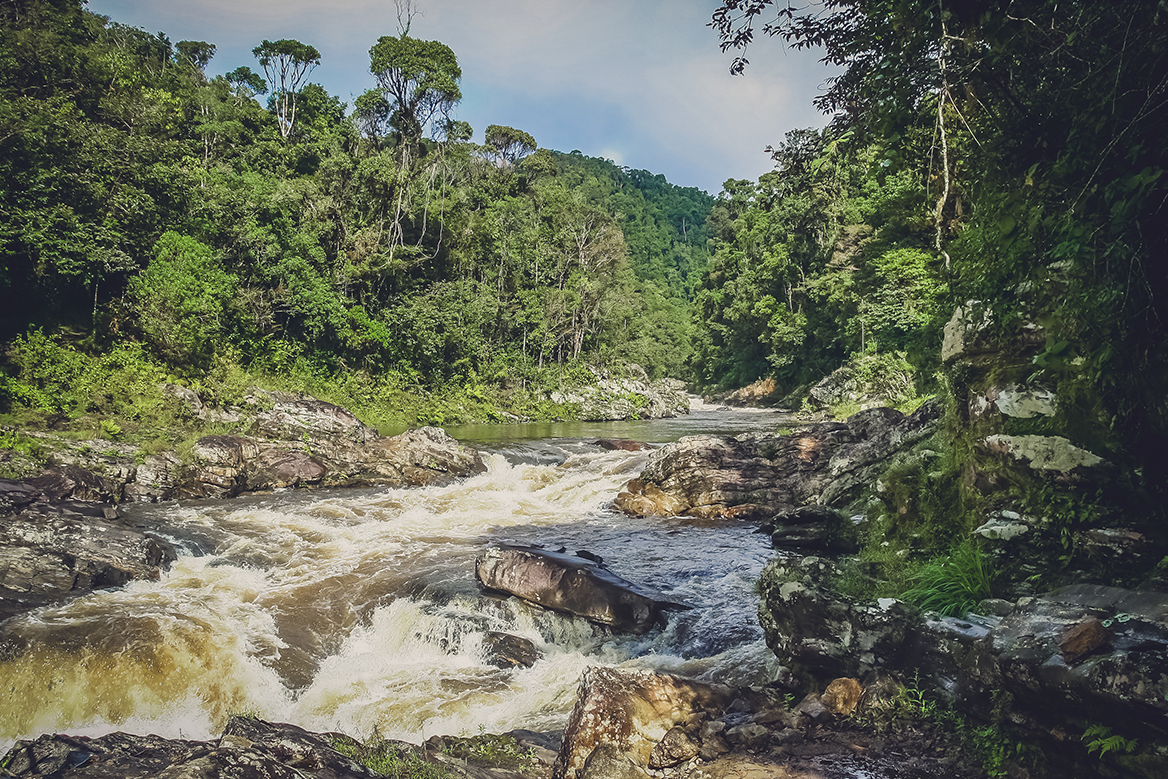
<point x="182" y="300"/>
<point x="1099" y="738"/>
<point x="953" y="584"/>
<point x="159" y="206"/>
<point x="398" y="761"/>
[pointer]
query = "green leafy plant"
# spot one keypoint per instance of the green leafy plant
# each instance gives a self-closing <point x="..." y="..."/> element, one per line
<point x="1099" y="738"/>
<point x="952" y="585"/>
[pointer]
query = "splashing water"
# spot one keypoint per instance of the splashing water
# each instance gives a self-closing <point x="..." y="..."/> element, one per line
<point x="355" y="610"/>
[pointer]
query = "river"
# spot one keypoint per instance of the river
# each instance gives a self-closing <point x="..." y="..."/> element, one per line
<point x="356" y="610"/>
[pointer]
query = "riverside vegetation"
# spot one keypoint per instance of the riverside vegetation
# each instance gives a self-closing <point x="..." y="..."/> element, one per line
<point x="982" y="221"/>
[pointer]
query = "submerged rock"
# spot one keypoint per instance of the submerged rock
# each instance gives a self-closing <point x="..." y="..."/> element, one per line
<point x="572" y="584"/>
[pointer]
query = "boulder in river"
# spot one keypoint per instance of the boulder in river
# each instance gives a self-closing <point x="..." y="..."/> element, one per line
<point x="48" y="557"/>
<point x="572" y="584"/>
<point x="756" y="476"/>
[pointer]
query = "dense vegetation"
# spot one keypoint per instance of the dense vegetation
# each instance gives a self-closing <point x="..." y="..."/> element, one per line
<point x="172" y="219"/>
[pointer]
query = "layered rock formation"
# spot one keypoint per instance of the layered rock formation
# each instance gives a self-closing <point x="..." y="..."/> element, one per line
<point x="756" y="476"/>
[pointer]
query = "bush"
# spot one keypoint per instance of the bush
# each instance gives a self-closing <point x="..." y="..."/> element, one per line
<point x="182" y="299"/>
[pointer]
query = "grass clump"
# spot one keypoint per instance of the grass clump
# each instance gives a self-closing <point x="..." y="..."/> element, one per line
<point x="390" y="759"/>
<point x="953" y="585"/>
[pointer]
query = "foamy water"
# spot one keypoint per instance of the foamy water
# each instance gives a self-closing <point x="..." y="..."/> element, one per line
<point x="355" y="610"/>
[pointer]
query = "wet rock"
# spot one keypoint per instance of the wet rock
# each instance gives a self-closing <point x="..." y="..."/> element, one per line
<point x="504" y="650"/>
<point x="622" y="444"/>
<point x="62" y="482"/>
<point x="813" y="528"/>
<point x="47" y="558"/>
<point x="756" y="476"/>
<point x="280" y="468"/>
<point x="154" y="479"/>
<point x="748" y="736"/>
<point x="842" y="696"/>
<point x="631" y="711"/>
<point x="572" y="584"/>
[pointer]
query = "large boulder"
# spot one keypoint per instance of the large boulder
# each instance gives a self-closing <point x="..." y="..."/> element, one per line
<point x="649" y="718"/>
<point x="225" y="466"/>
<point x="48" y="557"/>
<point x="756" y="476"/>
<point x="573" y="584"/>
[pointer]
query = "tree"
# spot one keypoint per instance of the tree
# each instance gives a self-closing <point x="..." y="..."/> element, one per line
<point x="195" y="53"/>
<point x="245" y="83"/>
<point x="420" y="81"/>
<point x="509" y="145"/>
<point x="287" y="64"/>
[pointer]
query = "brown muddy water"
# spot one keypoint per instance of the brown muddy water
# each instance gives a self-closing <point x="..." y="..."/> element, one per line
<point x="355" y="610"/>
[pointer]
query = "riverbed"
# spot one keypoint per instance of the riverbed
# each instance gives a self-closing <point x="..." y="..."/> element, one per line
<point x="357" y="610"/>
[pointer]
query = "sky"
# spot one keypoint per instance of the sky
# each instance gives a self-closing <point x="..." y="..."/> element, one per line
<point x="640" y="82"/>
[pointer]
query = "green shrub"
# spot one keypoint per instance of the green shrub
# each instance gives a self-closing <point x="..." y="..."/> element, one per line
<point x="952" y="585"/>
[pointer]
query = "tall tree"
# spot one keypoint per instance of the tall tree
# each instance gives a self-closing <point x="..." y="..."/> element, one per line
<point x="509" y="145"/>
<point x="287" y="64"/>
<point x="420" y="81"/>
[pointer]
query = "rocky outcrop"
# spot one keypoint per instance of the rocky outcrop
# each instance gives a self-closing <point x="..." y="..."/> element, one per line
<point x="248" y="749"/>
<point x="613" y="398"/>
<point x="647" y="717"/>
<point x="301" y="441"/>
<point x="1079" y="652"/>
<point x="573" y="584"/>
<point x="638" y="724"/>
<point x="756" y="476"/>
<point x="50" y="552"/>
<point x="282" y="440"/>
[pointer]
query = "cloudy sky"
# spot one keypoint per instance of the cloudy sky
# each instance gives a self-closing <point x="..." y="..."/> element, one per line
<point x="640" y="82"/>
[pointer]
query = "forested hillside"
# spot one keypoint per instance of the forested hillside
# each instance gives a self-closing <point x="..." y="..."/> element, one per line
<point x="156" y="221"/>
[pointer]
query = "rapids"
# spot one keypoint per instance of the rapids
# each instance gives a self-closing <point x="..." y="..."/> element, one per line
<point x="356" y="610"/>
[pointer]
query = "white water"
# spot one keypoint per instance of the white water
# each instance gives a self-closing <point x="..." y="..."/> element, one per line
<point x="354" y="610"/>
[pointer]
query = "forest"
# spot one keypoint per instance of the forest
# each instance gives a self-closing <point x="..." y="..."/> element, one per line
<point x="161" y="224"/>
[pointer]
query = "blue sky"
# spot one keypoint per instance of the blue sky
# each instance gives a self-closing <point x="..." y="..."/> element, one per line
<point x="640" y="82"/>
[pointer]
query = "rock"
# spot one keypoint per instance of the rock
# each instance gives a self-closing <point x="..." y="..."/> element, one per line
<point x="62" y="482"/>
<point x="813" y="528"/>
<point x="756" y="476"/>
<point x="631" y="711"/>
<point x="1015" y="401"/>
<point x="280" y="468"/>
<point x="748" y="736"/>
<point x="812" y="708"/>
<point x="225" y="466"/>
<point x="1081" y="639"/>
<point x="622" y="444"/>
<point x="967" y="332"/>
<point x="219" y="468"/>
<point x="571" y="584"/>
<point x="48" y="558"/>
<point x="842" y="696"/>
<point x="1050" y="454"/>
<point x="608" y="762"/>
<point x="321" y="427"/>
<point x="674" y="748"/>
<point x="504" y="650"/>
<point x="248" y="748"/>
<point x="154" y="479"/>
